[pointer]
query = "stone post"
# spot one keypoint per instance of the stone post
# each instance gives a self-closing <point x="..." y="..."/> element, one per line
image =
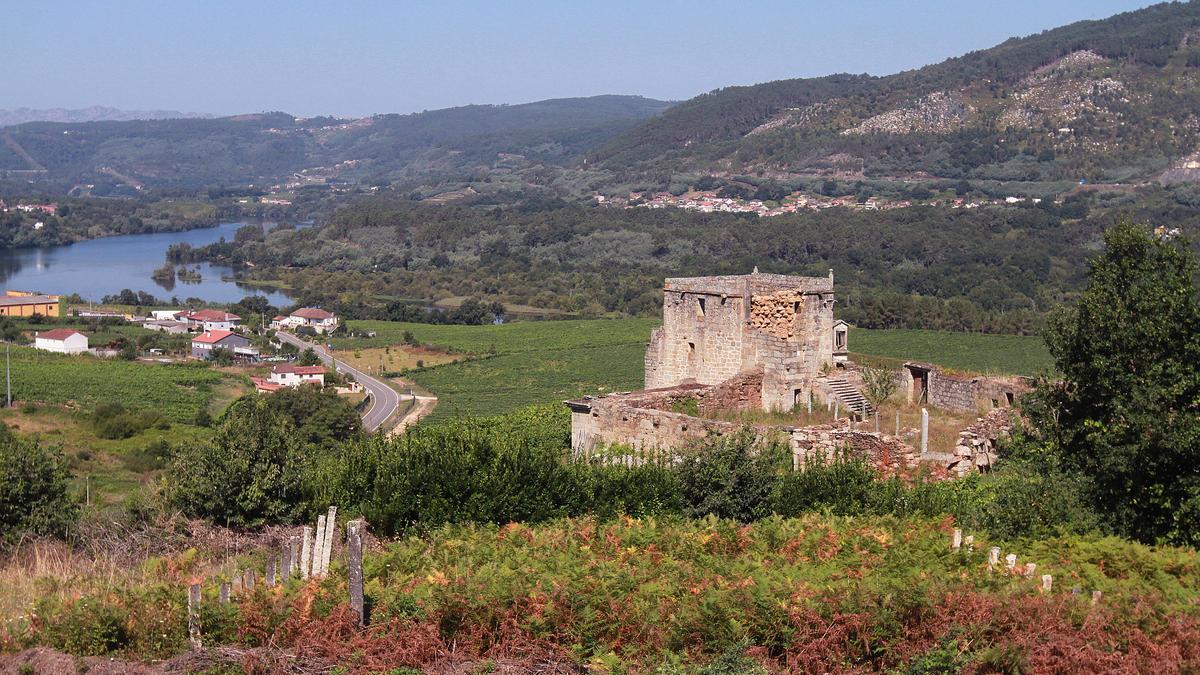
<point x="1096" y="595"/>
<point x="294" y="548"/>
<point x="318" y="548"/>
<point x="285" y="569"/>
<point x="271" y="562"/>
<point x="248" y="580"/>
<point x="1047" y="583"/>
<point x="355" y="571"/>
<point x="956" y="539"/>
<point x="924" y="431"/>
<point x="223" y="593"/>
<point x="327" y="547"/>
<point x="1010" y="561"/>
<point x="994" y="556"/>
<point x="970" y="542"/>
<point x="193" y="607"/>
<point x="305" y="551"/>
<point x="897" y="424"/>
<point x="836" y="409"/>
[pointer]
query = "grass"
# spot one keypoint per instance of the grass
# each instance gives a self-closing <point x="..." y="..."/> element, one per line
<point x="976" y="352"/>
<point x="393" y="358"/>
<point x="521" y="363"/>
<point x="179" y="390"/>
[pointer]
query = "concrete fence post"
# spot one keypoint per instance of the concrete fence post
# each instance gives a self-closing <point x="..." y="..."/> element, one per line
<point x="285" y="568"/>
<point x="271" y="571"/>
<point x="194" y="617"/>
<point x="305" y="551"/>
<point x="327" y="548"/>
<point x="318" y="547"/>
<point x="223" y="593"/>
<point x="1010" y="561"/>
<point x="1047" y="583"/>
<point x="897" y="424"/>
<point x="294" y="549"/>
<point x="1030" y="568"/>
<point x="1096" y="595"/>
<point x="248" y="580"/>
<point x="969" y="542"/>
<point x="994" y="556"/>
<point x="837" y="405"/>
<point x="355" y="571"/>
<point x="924" y="431"/>
<point x="956" y="539"/>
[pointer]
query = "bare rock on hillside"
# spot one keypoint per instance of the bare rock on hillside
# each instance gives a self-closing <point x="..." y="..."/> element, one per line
<point x="938" y="113"/>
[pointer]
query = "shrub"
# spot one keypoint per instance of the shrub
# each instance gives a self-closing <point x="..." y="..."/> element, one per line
<point x="730" y="477"/>
<point x="113" y="421"/>
<point x="35" y="497"/>
<point x="249" y="474"/>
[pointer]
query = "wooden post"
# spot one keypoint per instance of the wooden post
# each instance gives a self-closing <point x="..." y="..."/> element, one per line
<point x="327" y="548"/>
<point x="248" y="580"/>
<point x="355" y="572"/>
<point x="223" y="593"/>
<point x="271" y="571"/>
<point x="305" y="551"/>
<point x="956" y="539"/>
<point x="194" y="616"/>
<point x="924" y="431"/>
<point x="318" y="547"/>
<point x="1047" y="583"/>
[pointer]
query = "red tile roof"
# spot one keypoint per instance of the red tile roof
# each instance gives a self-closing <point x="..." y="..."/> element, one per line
<point x="312" y="313"/>
<point x="298" y="370"/>
<point x="212" y="336"/>
<point x="59" y="334"/>
<point x="262" y="385"/>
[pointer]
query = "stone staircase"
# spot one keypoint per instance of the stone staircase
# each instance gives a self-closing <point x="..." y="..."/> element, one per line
<point x="851" y="398"/>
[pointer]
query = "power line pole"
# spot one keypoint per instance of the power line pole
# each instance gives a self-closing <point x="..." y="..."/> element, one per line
<point x="8" y="374"/>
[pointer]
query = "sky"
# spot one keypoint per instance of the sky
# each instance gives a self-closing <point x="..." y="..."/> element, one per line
<point x="352" y="58"/>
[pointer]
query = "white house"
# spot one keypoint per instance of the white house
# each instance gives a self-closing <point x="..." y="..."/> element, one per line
<point x="313" y="317"/>
<point x="165" y="314"/>
<point x="289" y="375"/>
<point x="62" y="341"/>
<point x="211" y="319"/>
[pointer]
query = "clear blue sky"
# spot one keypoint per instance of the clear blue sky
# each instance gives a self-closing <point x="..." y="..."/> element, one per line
<point x="345" y="57"/>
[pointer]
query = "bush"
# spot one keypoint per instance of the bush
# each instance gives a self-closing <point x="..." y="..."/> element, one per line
<point x="730" y="477"/>
<point x="113" y="421"/>
<point x="35" y="497"/>
<point x="249" y="474"/>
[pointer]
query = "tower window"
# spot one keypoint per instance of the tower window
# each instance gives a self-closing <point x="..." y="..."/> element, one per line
<point x="700" y="307"/>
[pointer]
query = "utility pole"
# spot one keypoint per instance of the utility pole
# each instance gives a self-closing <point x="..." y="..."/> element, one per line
<point x="8" y="374"/>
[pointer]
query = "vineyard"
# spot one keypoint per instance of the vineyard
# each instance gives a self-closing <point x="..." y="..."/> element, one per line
<point x="179" y="391"/>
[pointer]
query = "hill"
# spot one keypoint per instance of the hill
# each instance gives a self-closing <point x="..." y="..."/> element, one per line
<point x="1109" y="100"/>
<point x="276" y="147"/>
<point x="96" y="113"/>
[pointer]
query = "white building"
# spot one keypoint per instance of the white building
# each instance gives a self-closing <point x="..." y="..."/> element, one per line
<point x="61" y="341"/>
<point x="313" y="317"/>
<point x="289" y="375"/>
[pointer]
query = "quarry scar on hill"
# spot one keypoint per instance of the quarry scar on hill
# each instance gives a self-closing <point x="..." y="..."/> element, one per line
<point x="771" y="342"/>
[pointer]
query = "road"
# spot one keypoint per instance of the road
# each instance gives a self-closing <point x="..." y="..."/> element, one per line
<point x="384" y="399"/>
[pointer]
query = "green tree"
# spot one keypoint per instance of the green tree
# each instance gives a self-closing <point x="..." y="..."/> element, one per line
<point x="730" y="477"/>
<point x="319" y="416"/>
<point x="250" y="473"/>
<point x="35" y="497"/>
<point x="309" y="358"/>
<point x="878" y="386"/>
<point x="1126" y="413"/>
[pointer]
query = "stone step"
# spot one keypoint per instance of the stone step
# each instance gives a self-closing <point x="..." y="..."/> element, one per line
<point x="851" y="397"/>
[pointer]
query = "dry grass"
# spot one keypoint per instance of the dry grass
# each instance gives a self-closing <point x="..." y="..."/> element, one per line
<point x="393" y="358"/>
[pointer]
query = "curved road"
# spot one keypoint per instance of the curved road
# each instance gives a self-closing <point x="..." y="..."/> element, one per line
<point x="384" y="399"/>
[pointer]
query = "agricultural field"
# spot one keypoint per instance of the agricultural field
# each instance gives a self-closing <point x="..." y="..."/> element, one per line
<point x="522" y="363"/>
<point x="177" y="390"/>
<point x="975" y="352"/>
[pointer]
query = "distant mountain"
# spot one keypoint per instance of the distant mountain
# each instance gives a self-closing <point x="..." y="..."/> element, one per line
<point x="1110" y="100"/>
<point x="277" y="147"/>
<point x="94" y="113"/>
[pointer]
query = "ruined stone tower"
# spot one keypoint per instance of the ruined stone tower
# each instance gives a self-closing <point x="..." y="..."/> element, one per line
<point x="717" y="327"/>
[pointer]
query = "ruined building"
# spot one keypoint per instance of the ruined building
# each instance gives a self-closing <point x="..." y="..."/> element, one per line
<point x="771" y="342"/>
<point x="716" y="328"/>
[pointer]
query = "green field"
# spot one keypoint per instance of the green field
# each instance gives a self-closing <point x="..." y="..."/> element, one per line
<point x="544" y="361"/>
<point x="976" y="352"/>
<point x="179" y="391"/>
<point x="533" y="361"/>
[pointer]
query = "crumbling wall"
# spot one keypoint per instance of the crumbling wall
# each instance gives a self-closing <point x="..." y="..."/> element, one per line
<point x="829" y="441"/>
<point x="777" y="313"/>
<point x="977" y="444"/>
<point x="952" y="393"/>
<point x="743" y="392"/>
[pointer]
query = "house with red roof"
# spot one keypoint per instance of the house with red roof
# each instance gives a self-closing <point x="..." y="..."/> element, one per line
<point x="61" y="341"/>
<point x="315" y="318"/>
<point x="210" y="319"/>
<point x="239" y="346"/>
<point x="291" y="375"/>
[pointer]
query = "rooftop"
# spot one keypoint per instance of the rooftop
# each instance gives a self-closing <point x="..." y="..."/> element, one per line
<point x="58" y="334"/>
<point x="212" y="336"/>
<point x="298" y="370"/>
<point x="312" y="313"/>
<point x="8" y="300"/>
<point x="755" y="282"/>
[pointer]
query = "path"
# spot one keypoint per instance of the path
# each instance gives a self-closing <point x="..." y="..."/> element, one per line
<point x="422" y="406"/>
<point x="384" y="399"/>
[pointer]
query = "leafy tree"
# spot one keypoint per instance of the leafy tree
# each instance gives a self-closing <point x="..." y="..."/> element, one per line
<point x="249" y="474"/>
<point x="878" y="386"/>
<point x="730" y="477"/>
<point x="35" y="497"/>
<point x="320" y="417"/>
<point x="309" y="358"/>
<point x="1126" y="414"/>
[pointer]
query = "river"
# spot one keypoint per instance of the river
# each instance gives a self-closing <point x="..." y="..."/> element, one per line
<point x="105" y="266"/>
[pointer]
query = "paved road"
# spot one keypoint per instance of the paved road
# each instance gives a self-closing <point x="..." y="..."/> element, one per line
<point x="384" y="399"/>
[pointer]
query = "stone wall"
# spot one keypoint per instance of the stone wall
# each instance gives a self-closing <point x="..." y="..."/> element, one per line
<point x="977" y="444"/>
<point x="963" y="393"/>
<point x="827" y="441"/>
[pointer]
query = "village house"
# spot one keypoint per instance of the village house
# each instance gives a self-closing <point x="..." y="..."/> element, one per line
<point x="315" y="318"/>
<point x="210" y="320"/>
<point x="22" y="303"/>
<point x="61" y="341"/>
<point x="169" y="327"/>
<point x="237" y="345"/>
<point x="290" y="375"/>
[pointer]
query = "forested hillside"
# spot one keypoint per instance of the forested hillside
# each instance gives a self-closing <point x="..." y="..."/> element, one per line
<point x="992" y="269"/>
<point x="1101" y="100"/>
<point x="200" y="153"/>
